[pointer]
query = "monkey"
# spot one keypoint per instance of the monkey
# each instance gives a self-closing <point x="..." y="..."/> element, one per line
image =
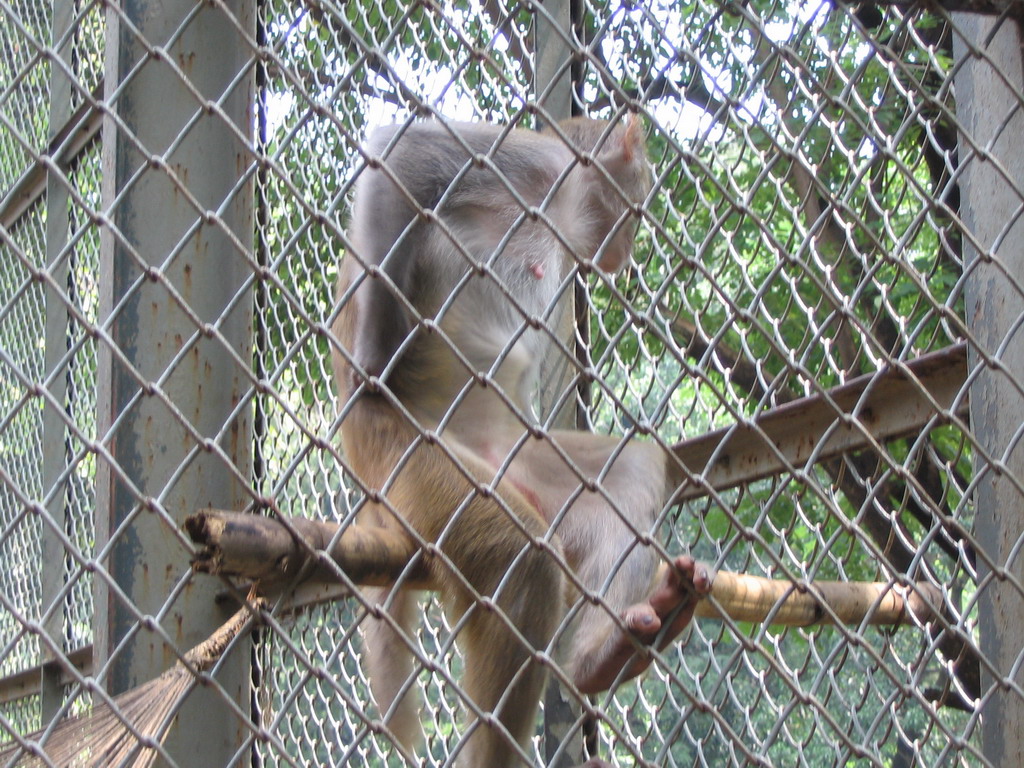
<point x="459" y="244"/>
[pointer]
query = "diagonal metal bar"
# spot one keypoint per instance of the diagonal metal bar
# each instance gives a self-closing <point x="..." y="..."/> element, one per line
<point x="897" y="401"/>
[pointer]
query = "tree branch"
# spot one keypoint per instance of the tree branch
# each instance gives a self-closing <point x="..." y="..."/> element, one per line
<point x="277" y="549"/>
<point x="274" y="550"/>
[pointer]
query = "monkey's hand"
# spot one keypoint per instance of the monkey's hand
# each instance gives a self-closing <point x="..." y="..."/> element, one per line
<point x="679" y="588"/>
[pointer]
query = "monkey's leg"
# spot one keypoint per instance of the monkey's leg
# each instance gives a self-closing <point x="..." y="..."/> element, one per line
<point x="490" y="545"/>
<point x="488" y="563"/>
<point x="389" y="664"/>
<point x="602" y="531"/>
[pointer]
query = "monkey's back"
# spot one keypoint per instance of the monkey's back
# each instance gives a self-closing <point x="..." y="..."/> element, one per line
<point x="482" y="263"/>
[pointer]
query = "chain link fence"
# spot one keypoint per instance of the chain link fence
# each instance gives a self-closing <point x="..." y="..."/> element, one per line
<point x="836" y="197"/>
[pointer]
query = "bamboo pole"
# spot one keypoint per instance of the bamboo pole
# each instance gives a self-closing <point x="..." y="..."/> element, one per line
<point x="272" y="550"/>
<point x="803" y="604"/>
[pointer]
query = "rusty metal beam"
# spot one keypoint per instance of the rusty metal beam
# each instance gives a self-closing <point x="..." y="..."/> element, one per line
<point x="73" y="137"/>
<point x="897" y="401"/>
<point x="25" y="682"/>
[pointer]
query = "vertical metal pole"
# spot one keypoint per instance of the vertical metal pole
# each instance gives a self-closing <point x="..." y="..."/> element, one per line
<point x="168" y="387"/>
<point x="552" y="67"/>
<point x="54" y="432"/>
<point x="992" y="120"/>
<point x="563" y="747"/>
<point x="553" y="86"/>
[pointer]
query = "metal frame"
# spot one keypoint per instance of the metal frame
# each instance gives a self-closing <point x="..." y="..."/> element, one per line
<point x="991" y="80"/>
<point x="174" y="369"/>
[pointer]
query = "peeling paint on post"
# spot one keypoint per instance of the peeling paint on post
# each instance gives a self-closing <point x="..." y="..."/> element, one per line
<point x="166" y="387"/>
<point x="992" y="125"/>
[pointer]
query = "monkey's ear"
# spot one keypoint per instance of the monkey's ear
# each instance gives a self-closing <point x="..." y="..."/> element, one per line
<point x="624" y="153"/>
<point x="633" y="140"/>
<point x="624" y="158"/>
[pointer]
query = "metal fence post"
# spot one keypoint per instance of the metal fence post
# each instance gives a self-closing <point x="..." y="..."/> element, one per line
<point x="553" y="86"/>
<point x="552" y="67"/>
<point x="54" y="431"/>
<point x="992" y="126"/>
<point x="563" y="743"/>
<point x="174" y="366"/>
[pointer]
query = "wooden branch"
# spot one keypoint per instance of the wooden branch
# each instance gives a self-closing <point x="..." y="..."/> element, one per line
<point x="259" y="548"/>
<point x="891" y="403"/>
<point x="271" y="550"/>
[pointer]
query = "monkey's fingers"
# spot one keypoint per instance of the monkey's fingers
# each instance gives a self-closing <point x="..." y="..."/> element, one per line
<point x="685" y="585"/>
<point x="674" y="599"/>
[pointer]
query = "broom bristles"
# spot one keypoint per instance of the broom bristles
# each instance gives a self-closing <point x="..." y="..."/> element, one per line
<point x="126" y="735"/>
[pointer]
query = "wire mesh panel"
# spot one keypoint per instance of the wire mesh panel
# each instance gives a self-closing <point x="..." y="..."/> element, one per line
<point x="26" y="83"/>
<point x="23" y="430"/>
<point x="805" y="332"/>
